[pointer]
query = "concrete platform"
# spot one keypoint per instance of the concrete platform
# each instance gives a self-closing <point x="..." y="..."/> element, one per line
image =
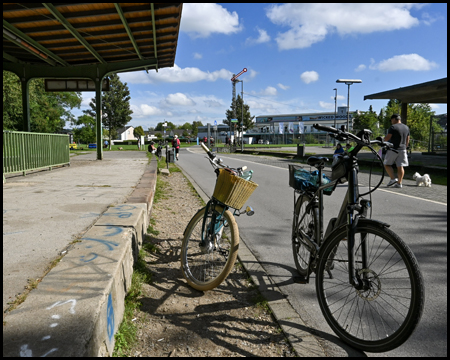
<point x="78" y="306"/>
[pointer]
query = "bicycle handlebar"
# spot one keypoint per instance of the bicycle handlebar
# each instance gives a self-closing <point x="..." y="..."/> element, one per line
<point x="210" y="154"/>
<point x="218" y="162"/>
<point x="346" y="135"/>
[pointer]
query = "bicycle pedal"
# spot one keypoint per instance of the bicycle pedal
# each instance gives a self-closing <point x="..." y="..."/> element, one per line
<point x="300" y="279"/>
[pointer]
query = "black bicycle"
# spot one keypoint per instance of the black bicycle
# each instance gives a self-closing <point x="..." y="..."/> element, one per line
<point x="368" y="282"/>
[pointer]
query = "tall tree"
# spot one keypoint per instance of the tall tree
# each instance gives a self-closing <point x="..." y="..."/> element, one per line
<point x="368" y="120"/>
<point x="248" y="118"/>
<point x="85" y="132"/>
<point x="195" y="125"/>
<point x="138" y="132"/>
<point x="116" y="112"/>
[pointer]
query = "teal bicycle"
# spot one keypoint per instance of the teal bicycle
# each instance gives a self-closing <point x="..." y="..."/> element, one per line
<point x="211" y="239"/>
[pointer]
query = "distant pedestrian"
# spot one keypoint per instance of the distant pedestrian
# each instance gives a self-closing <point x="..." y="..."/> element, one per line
<point x="176" y="145"/>
<point x="398" y="135"/>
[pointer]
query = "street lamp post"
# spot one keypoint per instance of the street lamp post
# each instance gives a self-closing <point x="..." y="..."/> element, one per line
<point x="348" y="82"/>
<point x="164" y="126"/>
<point x="242" y="117"/>
<point x="335" y="99"/>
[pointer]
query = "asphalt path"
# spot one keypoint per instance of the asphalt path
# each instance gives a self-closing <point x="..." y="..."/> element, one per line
<point x="420" y="222"/>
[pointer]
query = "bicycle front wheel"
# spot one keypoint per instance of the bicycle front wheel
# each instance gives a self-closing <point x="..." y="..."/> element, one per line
<point x="304" y="223"/>
<point x="206" y="268"/>
<point x="386" y="309"/>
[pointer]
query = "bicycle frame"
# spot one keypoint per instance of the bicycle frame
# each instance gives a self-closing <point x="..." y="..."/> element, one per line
<point x="345" y="216"/>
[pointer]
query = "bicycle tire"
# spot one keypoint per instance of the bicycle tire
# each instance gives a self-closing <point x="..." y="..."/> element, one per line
<point x="300" y="249"/>
<point x="383" y="316"/>
<point x="206" y="271"/>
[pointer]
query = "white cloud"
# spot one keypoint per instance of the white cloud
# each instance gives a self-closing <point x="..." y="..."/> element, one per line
<point x="339" y="97"/>
<point x="309" y="76"/>
<point x="146" y="110"/>
<point x="360" y="68"/>
<point x="263" y="37"/>
<point x="434" y="107"/>
<point x="311" y="23"/>
<point x="197" y="56"/>
<point x="212" y="103"/>
<point x="269" y="91"/>
<point x="179" y="99"/>
<point x="174" y="74"/>
<point x="283" y="87"/>
<point x="404" y="62"/>
<point x="201" y="20"/>
<point x="325" y="105"/>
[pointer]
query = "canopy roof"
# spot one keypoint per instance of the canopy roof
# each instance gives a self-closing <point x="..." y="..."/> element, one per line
<point x="434" y="92"/>
<point x="132" y="36"/>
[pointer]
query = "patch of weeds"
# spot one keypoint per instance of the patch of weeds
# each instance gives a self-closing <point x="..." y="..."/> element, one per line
<point x="152" y="231"/>
<point x="161" y="186"/>
<point x="261" y="302"/>
<point x="151" y="248"/>
<point x="32" y="284"/>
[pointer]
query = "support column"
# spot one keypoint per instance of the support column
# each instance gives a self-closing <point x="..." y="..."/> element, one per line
<point x="98" y="117"/>
<point x="25" y="104"/>
<point x="404" y="114"/>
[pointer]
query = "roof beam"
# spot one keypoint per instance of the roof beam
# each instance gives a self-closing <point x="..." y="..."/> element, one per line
<point x="29" y="41"/>
<point x="10" y="58"/>
<point x="128" y="30"/>
<point x="152" y="7"/>
<point x="73" y="31"/>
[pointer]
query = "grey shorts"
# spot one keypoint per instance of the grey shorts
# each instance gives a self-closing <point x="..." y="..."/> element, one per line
<point x="400" y="158"/>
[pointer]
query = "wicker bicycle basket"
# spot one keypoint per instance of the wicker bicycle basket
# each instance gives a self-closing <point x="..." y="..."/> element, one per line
<point x="232" y="190"/>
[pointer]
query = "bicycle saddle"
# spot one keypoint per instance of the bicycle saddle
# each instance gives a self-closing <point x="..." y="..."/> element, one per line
<point x="316" y="161"/>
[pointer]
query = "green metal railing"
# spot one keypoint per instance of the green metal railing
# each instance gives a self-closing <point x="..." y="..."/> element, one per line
<point x="25" y="151"/>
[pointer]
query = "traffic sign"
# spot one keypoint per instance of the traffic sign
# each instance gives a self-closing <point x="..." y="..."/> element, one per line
<point x="234" y="120"/>
<point x="215" y="122"/>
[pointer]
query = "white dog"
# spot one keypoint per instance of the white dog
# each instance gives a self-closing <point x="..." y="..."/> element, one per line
<point x="422" y="180"/>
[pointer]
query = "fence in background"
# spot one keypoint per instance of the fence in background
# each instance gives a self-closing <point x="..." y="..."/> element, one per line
<point x="25" y="151"/>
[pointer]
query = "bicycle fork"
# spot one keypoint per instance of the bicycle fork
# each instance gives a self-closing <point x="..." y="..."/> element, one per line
<point x="212" y="231"/>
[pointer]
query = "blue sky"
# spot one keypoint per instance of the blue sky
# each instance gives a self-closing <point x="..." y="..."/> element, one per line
<point x="294" y="54"/>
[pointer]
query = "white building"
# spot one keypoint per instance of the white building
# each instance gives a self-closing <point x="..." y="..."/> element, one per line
<point x="287" y="127"/>
<point x="126" y="133"/>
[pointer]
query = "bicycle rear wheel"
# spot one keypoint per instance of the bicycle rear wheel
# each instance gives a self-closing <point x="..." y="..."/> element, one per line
<point x="382" y="315"/>
<point x="205" y="269"/>
<point x="303" y="224"/>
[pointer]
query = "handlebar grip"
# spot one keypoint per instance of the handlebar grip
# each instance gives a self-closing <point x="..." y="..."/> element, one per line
<point x="210" y="154"/>
<point x="325" y="128"/>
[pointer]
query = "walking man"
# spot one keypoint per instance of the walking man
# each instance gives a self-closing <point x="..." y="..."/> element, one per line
<point x="398" y="135"/>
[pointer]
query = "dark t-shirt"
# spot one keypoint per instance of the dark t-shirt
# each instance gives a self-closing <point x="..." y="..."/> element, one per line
<point x="399" y="134"/>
